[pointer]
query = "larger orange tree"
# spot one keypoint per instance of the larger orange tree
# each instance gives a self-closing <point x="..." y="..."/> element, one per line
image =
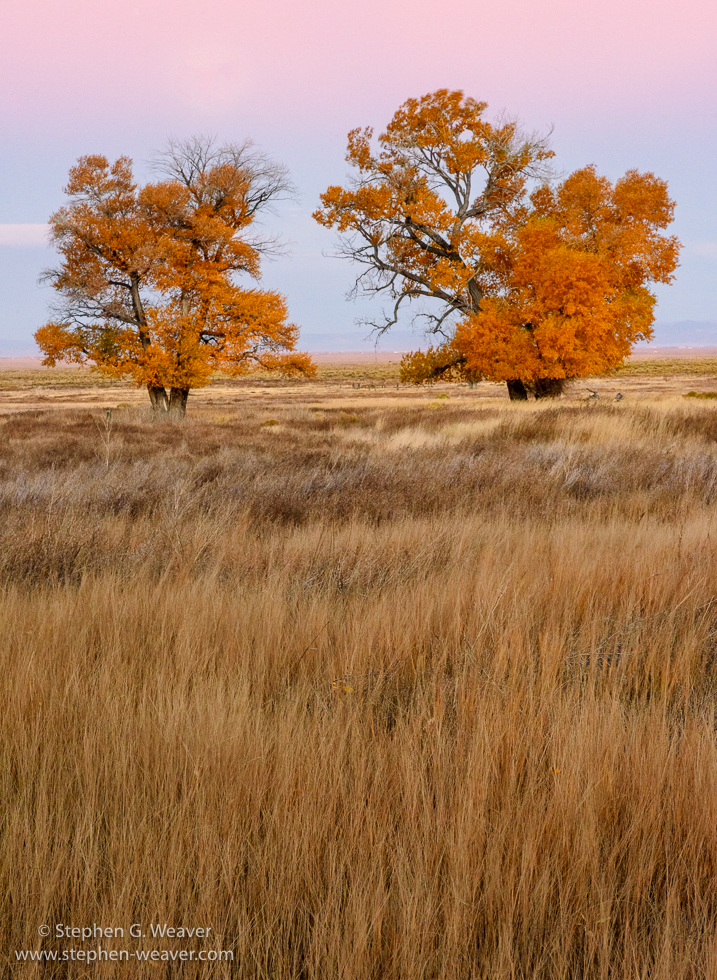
<point x="522" y="278"/>
<point x="149" y="283"/>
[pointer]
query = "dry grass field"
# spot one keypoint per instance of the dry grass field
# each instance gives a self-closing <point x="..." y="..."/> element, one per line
<point x="375" y="683"/>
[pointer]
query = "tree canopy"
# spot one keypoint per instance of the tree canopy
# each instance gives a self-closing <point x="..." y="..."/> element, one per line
<point x="148" y="280"/>
<point x="524" y="278"/>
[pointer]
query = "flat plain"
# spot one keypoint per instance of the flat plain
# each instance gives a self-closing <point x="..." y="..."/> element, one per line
<point x="377" y="681"/>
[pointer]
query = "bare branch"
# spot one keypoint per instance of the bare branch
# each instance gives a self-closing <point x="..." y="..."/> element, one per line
<point x="186" y="160"/>
<point x="416" y="224"/>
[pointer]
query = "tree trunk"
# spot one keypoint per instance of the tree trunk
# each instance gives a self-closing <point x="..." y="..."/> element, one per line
<point x="158" y="398"/>
<point x="475" y="293"/>
<point x="517" y="391"/>
<point x="548" y="387"/>
<point x="178" y="402"/>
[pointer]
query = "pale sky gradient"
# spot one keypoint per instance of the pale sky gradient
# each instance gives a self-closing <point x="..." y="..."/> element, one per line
<point x="625" y="83"/>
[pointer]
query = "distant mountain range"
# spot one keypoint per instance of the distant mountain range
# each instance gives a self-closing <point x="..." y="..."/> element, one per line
<point x="686" y="333"/>
<point x="357" y="340"/>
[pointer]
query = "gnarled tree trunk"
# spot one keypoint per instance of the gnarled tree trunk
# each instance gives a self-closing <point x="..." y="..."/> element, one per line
<point x="178" y="402"/>
<point x="158" y="398"/>
<point x="517" y="391"/>
<point x="540" y="388"/>
<point x="548" y="387"/>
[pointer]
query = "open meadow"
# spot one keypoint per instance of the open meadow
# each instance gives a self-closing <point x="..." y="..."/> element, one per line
<point x="379" y="683"/>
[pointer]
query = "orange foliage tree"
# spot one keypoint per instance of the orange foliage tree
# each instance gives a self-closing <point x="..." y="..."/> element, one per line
<point x="533" y="281"/>
<point x="148" y="276"/>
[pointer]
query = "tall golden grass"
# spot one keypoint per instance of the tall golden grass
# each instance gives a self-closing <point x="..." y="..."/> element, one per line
<point x="379" y="691"/>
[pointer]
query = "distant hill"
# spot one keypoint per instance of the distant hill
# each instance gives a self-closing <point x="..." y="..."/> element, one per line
<point x="357" y="340"/>
<point x="686" y="333"/>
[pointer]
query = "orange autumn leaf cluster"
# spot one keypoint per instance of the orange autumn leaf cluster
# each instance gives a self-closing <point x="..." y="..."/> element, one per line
<point x="571" y="296"/>
<point x="148" y="276"/>
<point x="534" y="281"/>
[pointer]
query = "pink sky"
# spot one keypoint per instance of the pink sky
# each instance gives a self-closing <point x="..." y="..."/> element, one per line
<point x="319" y="59"/>
<point x="625" y="82"/>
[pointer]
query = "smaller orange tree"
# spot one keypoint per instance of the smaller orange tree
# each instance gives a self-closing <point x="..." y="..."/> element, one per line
<point x="534" y="282"/>
<point x="148" y="278"/>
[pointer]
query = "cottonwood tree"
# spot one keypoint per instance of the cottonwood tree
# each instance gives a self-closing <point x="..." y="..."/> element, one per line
<point x="148" y="280"/>
<point x="532" y="281"/>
